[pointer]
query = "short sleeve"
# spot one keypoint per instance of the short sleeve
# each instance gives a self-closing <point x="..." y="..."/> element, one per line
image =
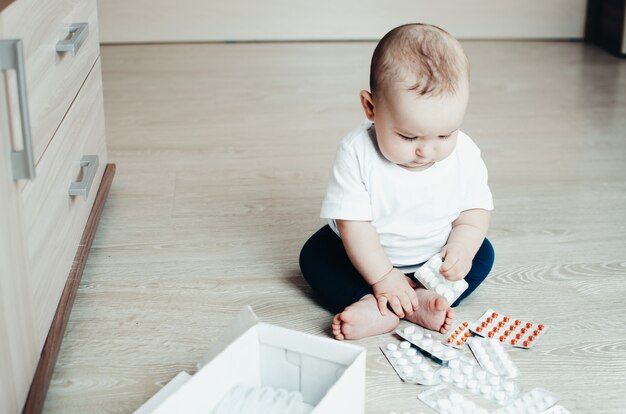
<point x="478" y="194"/>
<point x="347" y="197"/>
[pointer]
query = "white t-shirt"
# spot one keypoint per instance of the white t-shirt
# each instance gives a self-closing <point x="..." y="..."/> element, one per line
<point x="412" y="211"/>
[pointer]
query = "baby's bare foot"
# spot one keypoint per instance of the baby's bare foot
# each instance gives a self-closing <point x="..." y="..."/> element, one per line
<point x="363" y="319"/>
<point x="433" y="311"/>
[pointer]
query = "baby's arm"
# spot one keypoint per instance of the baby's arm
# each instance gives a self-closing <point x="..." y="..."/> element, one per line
<point x="468" y="233"/>
<point x="390" y="285"/>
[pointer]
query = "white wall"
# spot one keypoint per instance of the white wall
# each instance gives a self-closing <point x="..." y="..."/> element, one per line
<point x="124" y="21"/>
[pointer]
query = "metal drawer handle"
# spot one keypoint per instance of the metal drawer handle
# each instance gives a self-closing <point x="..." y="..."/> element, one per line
<point x="79" y="32"/>
<point x="12" y="57"/>
<point x="81" y="188"/>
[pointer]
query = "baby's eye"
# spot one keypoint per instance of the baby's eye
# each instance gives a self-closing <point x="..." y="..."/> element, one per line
<point x="444" y="136"/>
<point x="407" y="138"/>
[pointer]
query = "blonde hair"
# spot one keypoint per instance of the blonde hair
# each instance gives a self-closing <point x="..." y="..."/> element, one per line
<point x="425" y="53"/>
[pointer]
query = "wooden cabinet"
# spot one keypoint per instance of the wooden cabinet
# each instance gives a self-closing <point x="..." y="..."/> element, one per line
<point x="52" y="160"/>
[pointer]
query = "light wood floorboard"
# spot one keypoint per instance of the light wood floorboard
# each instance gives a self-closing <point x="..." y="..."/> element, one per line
<point x="223" y="151"/>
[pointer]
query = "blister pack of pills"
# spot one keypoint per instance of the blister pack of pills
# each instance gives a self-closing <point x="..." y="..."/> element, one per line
<point x="446" y="400"/>
<point x="515" y="332"/>
<point x="409" y="364"/>
<point x="534" y="402"/>
<point x="429" y="276"/>
<point x="428" y="345"/>
<point x="459" y="336"/>
<point x="492" y="356"/>
<point x="465" y="374"/>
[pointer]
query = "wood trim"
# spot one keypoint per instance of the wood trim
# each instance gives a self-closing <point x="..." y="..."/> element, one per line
<point x="43" y="374"/>
<point x="5" y="3"/>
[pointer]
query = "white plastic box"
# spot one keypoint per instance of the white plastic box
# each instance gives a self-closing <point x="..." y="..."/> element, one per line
<point x="329" y="374"/>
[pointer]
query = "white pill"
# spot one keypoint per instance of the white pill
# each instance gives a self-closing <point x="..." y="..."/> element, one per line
<point x="458" y="286"/>
<point x="494" y="380"/>
<point x="427" y="275"/>
<point x="428" y="375"/>
<point x="440" y="290"/>
<point x="433" y="283"/>
<point x="408" y="369"/>
<point x="454" y="364"/>
<point x="417" y="337"/>
<point x="396" y="354"/>
<point x="459" y="379"/>
<point x="405" y="345"/>
<point x="445" y="372"/>
<point x="444" y="404"/>
<point x="426" y="343"/>
<point x="472" y="384"/>
<point x="436" y="263"/>
<point x="467" y="369"/>
<point x="481" y="375"/>
<point x="402" y="361"/>
<point x="437" y="347"/>
<point x="410" y="352"/>
<point x="424" y="367"/>
<point x="428" y="335"/>
<point x="509" y="387"/>
<point x="392" y="347"/>
<point x="500" y="396"/>
<point x="456" y="398"/>
<point x="416" y="359"/>
<point x="450" y="353"/>
<point x="468" y="406"/>
<point x="449" y="296"/>
<point x="456" y="410"/>
<point x="409" y="330"/>
<point x="485" y="390"/>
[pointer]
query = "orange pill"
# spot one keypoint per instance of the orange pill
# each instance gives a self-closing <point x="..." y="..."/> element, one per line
<point x="505" y="319"/>
<point x="479" y="329"/>
<point x="465" y="324"/>
<point x="459" y="342"/>
<point x="496" y="328"/>
<point x="494" y="314"/>
<point x="450" y="339"/>
<point x="457" y="332"/>
<point x="489" y="319"/>
<point x="523" y="330"/>
<point x="490" y="334"/>
<point x="467" y="334"/>
<point x="507" y="333"/>
<point x="536" y="332"/>
<point x="540" y="327"/>
<point x="502" y="338"/>
<point x="518" y="336"/>
<point x="531" y="338"/>
<point x="513" y="341"/>
<point x="484" y="324"/>
<point x="501" y="324"/>
<point x="529" y="325"/>
<point x="512" y="327"/>
<point x="526" y="343"/>
<point x="517" y="321"/>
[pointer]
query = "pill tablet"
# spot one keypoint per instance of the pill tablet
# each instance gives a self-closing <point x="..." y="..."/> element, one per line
<point x="444" y="404"/>
<point x="396" y="354"/>
<point x="410" y="352"/>
<point x="405" y="345"/>
<point x="409" y="330"/>
<point x="402" y="361"/>
<point x="392" y="347"/>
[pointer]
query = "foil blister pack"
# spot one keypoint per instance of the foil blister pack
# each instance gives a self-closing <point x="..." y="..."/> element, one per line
<point x="409" y="364"/>
<point x="428" y="275"/>
<point x="515" y="332"/>
<point x="428" y="345"/>
<point x="492" y="356"/>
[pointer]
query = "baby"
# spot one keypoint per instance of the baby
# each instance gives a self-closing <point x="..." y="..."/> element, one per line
<point x="406" y="184"/>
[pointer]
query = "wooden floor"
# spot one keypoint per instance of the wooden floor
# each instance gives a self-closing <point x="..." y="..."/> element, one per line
<point x="223" y="151"/>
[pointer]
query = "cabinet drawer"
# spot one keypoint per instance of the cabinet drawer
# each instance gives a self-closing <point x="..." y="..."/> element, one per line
<point x="52" y="78"/>
<point x="53" y="220"/>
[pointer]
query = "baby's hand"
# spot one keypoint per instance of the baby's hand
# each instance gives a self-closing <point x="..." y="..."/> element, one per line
<point x="396" y="290"/>
<point x="457" y="261"/>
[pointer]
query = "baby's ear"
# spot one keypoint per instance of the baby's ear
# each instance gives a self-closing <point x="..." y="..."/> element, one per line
<point x="367" y="101"/>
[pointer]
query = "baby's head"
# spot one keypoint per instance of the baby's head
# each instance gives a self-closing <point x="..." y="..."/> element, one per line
<point x="419" y="84"/>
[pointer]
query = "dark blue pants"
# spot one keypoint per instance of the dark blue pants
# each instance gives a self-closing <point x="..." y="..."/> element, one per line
<point x="336" y="282"/>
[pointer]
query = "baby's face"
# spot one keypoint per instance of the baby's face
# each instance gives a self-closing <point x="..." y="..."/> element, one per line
<point x="414" y="132"/>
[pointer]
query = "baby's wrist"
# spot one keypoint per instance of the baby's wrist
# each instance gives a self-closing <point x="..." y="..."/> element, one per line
<point x="384" y="276"/>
